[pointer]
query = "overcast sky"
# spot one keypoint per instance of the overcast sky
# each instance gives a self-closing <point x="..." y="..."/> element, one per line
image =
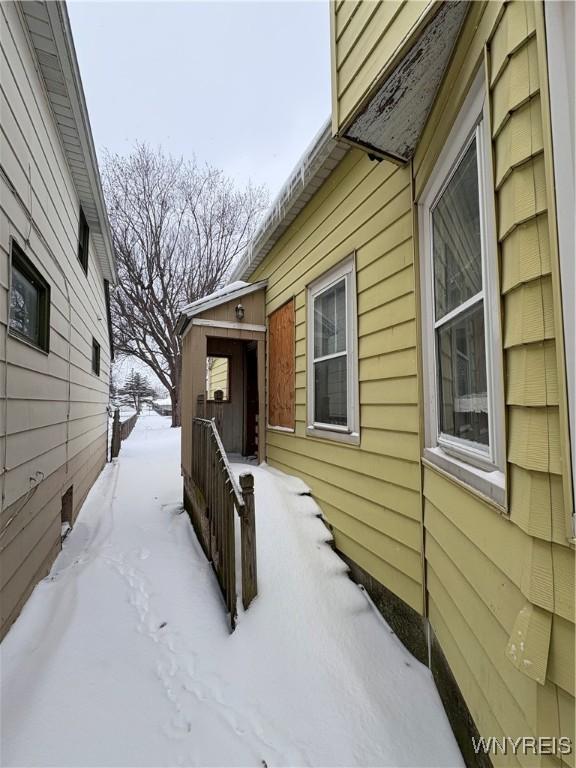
<point x="242" y="85"/>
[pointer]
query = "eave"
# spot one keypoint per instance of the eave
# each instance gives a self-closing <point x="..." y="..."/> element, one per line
<point x="50" y="37"/>
<point x="311" y="171"/>
<point x="216" y="299"/>
<point x="389" y="121"/>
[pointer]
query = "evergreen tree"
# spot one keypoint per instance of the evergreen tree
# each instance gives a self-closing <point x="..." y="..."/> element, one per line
<point x="136" y="391"/>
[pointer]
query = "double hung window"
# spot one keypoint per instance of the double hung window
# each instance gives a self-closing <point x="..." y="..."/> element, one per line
<point x="461" y="322"/>
<point x="332" y="354"/>
<point x="29" y="317"/>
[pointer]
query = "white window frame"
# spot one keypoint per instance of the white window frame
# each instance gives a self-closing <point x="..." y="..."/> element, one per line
<point x="481" y="467"/>
<point x="351" y="432"/>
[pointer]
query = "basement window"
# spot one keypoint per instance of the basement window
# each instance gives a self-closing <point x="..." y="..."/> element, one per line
<point x="461" y="338"/>
<point x="29" y="316"/>
<point x="332" y="354"/>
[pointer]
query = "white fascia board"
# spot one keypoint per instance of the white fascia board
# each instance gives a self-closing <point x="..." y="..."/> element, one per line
<point x="61" y="29"/>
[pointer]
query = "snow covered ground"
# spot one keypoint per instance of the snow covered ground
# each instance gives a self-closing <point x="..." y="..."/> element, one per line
<point x="122" y="656"/>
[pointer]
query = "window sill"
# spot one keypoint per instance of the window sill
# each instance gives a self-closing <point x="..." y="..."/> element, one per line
<point x="352" y="438"/>
<point x="276" y="428"/>
<point x="13" y="335"/>
<point x="492" y="484"/>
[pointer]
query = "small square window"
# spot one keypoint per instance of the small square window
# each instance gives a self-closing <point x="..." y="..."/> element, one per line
<point x="218" y="378"/>
<point x="83" y="241"/>
<point x="95" y="357"/>
<point x="29" y="301"/>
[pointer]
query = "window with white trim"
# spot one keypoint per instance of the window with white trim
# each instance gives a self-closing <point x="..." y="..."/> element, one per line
<point x="461" y="322"/>
<point x="332" y="355"/>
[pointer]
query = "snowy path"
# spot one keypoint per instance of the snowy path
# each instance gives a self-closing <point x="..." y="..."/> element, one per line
<point x="122" y="655"/>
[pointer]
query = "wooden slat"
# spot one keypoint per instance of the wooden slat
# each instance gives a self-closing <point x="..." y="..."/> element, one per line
<point x="214" y="498"/>
<point x="281" y="366"/>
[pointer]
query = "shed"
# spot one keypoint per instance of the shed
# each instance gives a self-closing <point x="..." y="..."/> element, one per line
<point x="223" y="367"/>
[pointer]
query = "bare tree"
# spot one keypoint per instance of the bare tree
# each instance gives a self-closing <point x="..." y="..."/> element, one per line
<point x="177" y="227"/>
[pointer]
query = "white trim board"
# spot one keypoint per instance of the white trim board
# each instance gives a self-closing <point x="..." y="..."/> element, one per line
<point x="560" y="21"/>
<point x="345" y="269"/>
<point x="226" y="324"/>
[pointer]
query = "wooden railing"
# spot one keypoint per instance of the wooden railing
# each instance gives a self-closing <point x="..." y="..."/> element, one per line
<point x="120" y="431"/>
<point x="215" y="498"/>
<point x="211" y="409"/>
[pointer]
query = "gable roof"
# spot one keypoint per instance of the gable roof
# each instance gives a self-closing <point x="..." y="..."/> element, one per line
<point x="50" y="36"/>
<point x="223" y="295"/>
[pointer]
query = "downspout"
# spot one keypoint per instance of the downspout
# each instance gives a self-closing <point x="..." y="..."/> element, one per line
<point x="420" y="390"/>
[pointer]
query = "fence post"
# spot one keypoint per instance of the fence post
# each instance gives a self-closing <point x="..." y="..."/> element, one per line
<point x="218" y="398"/>
<point x="116" y="438"/>
<point x="248" y="525"/>
<point x="200" y="406"/>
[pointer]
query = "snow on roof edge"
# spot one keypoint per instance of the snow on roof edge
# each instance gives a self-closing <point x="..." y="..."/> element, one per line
<point x="220" y="296"/>
<point x="229" y="288"/>
<point x="290" y="200"/>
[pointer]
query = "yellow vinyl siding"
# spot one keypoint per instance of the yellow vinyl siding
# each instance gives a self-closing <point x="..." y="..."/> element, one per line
<point x="365" y="37"/>
<point x="491" y="576"/>
<point x="499" y="582"/>
<point x="369" y="493"/>
<point x="218" y="377"/>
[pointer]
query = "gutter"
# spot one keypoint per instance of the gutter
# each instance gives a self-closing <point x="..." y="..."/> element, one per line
<point x="320" y="158"/>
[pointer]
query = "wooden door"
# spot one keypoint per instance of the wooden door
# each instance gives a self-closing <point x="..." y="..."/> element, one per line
<point x="251" y="390"/>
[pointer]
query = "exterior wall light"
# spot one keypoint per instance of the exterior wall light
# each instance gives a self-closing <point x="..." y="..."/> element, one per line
<point x="239" y="312"/>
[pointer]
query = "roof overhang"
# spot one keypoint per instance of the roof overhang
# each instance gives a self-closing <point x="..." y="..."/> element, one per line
<point x="311" y="171"/>
<point x="50" y="35"/>
<point x="389" y="121"/>
<point x="230" y="292"/>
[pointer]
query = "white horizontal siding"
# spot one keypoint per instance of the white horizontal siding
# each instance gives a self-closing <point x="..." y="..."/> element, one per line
<point x="56" y="406"/>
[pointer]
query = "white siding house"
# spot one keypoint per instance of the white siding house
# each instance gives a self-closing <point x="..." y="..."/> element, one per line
<point x="56" y="266"/>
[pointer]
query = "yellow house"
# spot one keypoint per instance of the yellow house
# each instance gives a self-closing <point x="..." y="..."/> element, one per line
<point x="418" y="273"/>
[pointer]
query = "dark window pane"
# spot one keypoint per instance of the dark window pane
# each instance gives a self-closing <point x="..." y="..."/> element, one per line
<point x="462" y="375"/>
<point x="330" y="391"/>
<point x="25" y="307"/>
<point x="330" y="321"/>
<point x="95" y="357"/>
<point x="456" y="238"/>
<point x="83" y="241"/>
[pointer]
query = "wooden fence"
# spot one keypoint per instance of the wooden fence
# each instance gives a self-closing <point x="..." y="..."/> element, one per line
<point x="215" y="498"/>
<point x="120" y="431"/>
<point x="211" y="409"/>
<point x="161" y="409"/>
